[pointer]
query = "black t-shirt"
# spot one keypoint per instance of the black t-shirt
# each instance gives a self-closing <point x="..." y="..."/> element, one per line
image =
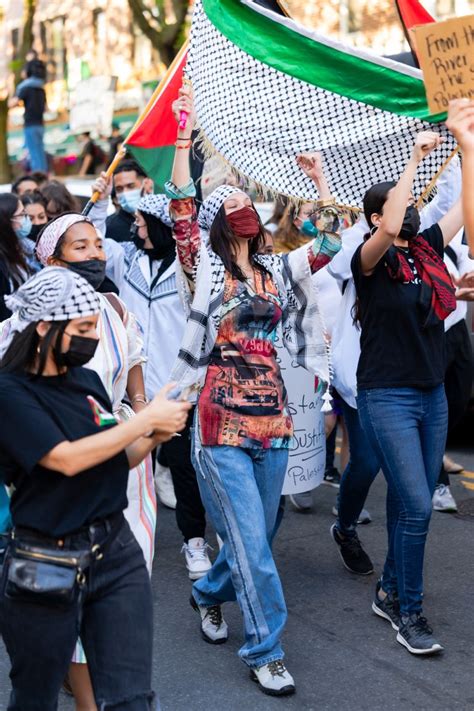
<point x="396" y="350"/>
<point x="118" y="226"/>
<point x="34" y="99"/>
<point x="90" y="149"/>
<point x="36" y="415"/>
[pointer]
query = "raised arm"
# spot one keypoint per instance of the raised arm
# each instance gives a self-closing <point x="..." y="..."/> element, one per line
<point x="181" y="190"/>
<point x="394" y="209"/>
<point x="461" y="124"/>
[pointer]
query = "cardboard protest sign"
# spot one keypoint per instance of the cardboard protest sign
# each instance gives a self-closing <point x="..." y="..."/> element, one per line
<point x="446" y="54"/>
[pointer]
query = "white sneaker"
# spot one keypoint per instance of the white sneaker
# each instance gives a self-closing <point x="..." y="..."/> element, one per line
<point x="443" y="500"/>
<point x="164" y="486"/>
<point x="213" y="626"/>
<point x="274" y="679"/>
<point x="197" y="558"/>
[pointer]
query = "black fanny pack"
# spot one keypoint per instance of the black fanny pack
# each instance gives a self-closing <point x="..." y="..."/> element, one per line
<point x="40" y="574"/>
<point x="45" y="575"/>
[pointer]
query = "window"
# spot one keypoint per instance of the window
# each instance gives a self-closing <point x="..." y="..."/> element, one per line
<point x="100" y="40"/>
<point x="54" y="49"/>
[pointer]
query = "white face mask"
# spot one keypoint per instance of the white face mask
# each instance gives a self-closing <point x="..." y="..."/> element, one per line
<point x="129" y="199"/>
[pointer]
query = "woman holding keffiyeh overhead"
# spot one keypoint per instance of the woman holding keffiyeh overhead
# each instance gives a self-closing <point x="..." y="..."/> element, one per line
<point x="237" y="299"/>
<point x="404" y="294"/>
<point x="72" y="564"/>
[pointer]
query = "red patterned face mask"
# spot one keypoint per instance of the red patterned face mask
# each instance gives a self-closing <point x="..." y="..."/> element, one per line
<point x="244" y="222"/>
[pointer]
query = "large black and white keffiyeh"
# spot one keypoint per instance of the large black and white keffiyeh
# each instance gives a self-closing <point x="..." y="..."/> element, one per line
<point x="267" y="89"/>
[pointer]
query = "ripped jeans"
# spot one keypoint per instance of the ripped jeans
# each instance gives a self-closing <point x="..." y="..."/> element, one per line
<point x="115" y="622"/>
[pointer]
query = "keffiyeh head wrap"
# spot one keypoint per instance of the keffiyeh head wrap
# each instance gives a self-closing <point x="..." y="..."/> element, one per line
<point x="52" y="233"/>
<point x="54" y="294"/>
<point x="211" y="206"/>
<point x="156" y="205"/>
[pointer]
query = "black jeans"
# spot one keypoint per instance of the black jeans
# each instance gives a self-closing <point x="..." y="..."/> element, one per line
<point x="114" y="617"/>
<point x="176" y="454"/>
<point x="458" y="378"/>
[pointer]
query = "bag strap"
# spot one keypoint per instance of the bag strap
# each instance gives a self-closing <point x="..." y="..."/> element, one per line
<point x="116" y="304"/>
<point x="452" y="255"/>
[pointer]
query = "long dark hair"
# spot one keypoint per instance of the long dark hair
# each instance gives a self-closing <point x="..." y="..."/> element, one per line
<point x="374" y="200"/>
<point x="28" y="351"/>
<point x="33" y="197"/>
<point x="10" y="247"/>
<point x="225" y="244"/>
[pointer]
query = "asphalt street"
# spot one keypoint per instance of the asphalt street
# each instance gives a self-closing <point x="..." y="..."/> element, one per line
<point x="342" y="656"/>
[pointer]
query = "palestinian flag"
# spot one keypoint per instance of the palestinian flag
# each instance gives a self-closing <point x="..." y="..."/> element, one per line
<point x="152" y="140"/>
<point x="267" y="89"/>
<point x="412" y="13"/>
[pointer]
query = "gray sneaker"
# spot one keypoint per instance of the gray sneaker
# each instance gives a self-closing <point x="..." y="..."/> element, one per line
<point x="213" y="626"/>
<point x="274" y="679"/>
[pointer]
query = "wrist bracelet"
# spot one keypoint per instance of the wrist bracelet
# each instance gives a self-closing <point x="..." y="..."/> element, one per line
<point x="184" y="139"/>
<point x="184" y="146"/>
<point x="139" y="398"/>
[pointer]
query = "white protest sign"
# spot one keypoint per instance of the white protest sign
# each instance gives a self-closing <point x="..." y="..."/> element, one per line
<point x="307" y="456"/>
<point x="91" y="105"/>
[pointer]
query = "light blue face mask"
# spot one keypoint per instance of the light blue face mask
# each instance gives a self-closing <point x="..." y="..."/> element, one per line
<point x="129" y="199"/>
<point x="308" y="229"/>
<point x="25" y="227"/>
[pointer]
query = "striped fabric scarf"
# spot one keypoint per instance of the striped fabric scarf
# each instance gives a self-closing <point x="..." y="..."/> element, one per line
<point x="437" y="296"/>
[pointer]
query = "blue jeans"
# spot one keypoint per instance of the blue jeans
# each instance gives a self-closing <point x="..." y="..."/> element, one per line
<point x="34" y="136"/>
<point x="362" y="468"/>
<point x="114" y="618"/>
<point x="407" y="429"/>
<point x="240" y="490"/>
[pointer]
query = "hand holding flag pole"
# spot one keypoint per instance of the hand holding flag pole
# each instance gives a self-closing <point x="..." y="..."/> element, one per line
<point x="151" y="103"/>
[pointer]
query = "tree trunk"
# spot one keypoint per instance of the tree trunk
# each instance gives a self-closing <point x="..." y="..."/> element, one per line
<point x="162" y="35"/>
<point x="5" y="168"/>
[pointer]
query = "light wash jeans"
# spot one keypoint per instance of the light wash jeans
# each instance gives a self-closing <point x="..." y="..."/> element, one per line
<point x="407" y="429"/>
<point x="34" y="141"/>
<point x="240" y="490"/>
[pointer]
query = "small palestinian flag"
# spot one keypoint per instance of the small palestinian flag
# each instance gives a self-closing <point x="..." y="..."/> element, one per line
<point x="152" y="141"/>
<point x="102" y="418"/>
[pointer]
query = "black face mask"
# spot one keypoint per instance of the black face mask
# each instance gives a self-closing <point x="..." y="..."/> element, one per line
<point x="34" y="232"/>
<point x="411" y="224"/>
<point x="161" y="238"/>
<point x="93" y="270"/>
<point x="81" y="350"/>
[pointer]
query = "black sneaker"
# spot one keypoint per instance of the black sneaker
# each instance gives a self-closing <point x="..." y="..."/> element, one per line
<point x="417" y="636"/>
<point x="353" y="555"/>
<point x="388" y="608"/>
<point x="332" y="477"/>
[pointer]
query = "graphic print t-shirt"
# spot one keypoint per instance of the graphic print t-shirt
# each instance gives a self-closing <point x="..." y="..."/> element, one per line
<point x="396" y="349"/>
<point x="244" y="402"/>
<point x="38" y="414"/>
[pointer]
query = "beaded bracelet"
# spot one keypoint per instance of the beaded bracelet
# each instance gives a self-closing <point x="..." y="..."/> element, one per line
<point x="184" y="147"/>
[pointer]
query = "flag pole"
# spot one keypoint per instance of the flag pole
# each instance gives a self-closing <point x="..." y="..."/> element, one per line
<point x="123" y="150"/>
<point x="432" y="183"/>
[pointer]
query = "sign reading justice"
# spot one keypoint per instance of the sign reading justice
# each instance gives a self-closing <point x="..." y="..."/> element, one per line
<point x="446" y="54"/>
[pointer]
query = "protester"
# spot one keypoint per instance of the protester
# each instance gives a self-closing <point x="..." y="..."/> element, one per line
<point x="130" y="183"/>
<point x="71" y="241"/>
<point x="92" y="156"/>
<point x="405" y="293"/>
<point x="15" y="226"/>
<point x="145" y="271"/>
<point x="35" y="208"/>
<point x="31" y="93"/>
<point x="115" y="141"/>
<point x="24" y="184"/>
<point x="242" y="425"/>
<point x="58" y="199"/>
<point x="461" y="124"/>
<point x="459" y="362"/>
<point x="73" y="561"/>
<point x="364" y="464"/>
